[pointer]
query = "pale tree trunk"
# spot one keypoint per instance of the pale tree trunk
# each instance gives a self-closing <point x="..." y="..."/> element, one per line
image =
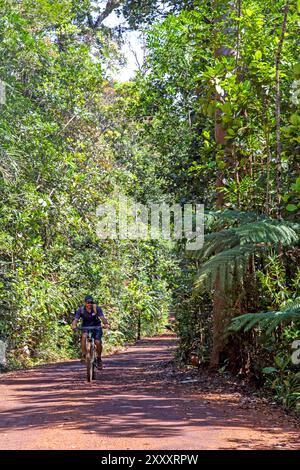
<point x="235" y="154"/>
<point x="219" y="301"/>
<point x="219" y="305"/>
<point x="266" y="129"/>
<point x="220" y="132"/>
<point x="278" y="110"/>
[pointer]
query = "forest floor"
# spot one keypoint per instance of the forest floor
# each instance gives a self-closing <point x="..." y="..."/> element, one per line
<point x="139" y="401"/>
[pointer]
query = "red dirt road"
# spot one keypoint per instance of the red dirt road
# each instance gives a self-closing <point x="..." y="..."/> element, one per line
<point x="132" y="405"/>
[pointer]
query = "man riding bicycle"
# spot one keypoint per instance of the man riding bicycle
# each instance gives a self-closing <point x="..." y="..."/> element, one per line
<point x="91" y="315"/>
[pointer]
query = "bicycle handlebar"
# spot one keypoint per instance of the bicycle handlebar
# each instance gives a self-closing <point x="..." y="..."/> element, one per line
<point x="89" y="327"/>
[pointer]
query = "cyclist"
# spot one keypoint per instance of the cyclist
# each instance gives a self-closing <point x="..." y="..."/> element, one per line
<point x="91" y="315"/>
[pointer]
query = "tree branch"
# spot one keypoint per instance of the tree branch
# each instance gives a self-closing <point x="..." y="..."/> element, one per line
<point x="111" y="5"/>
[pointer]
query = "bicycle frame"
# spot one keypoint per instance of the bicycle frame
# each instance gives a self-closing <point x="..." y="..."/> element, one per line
<point x="91" y="351"/>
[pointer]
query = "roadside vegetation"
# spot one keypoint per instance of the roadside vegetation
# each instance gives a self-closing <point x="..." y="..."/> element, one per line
<point x="212" y="116"/>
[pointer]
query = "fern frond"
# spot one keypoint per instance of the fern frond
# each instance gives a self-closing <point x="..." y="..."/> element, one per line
<point x="217" y="220"/>
<point x="267" y="321"/>
<point x="230" y="265"/>
<point x="216" y="242"/>
<point x="226" y="253"/>
<point x="268" y="232"/>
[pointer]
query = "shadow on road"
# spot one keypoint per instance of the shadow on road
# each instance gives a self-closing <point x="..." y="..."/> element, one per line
<point x="127" y="399"/>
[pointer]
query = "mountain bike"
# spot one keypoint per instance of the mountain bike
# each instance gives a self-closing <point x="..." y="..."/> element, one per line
<point x="91" y="351"/>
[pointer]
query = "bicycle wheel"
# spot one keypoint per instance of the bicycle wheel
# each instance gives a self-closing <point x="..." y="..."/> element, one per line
<point x="89" y="369"/>
<point x="95" y="355"/>
<point x="94" y="371"/>
<point x="90" y="362"/>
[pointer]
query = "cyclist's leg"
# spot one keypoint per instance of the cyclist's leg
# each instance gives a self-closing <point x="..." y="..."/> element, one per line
<point x="83" y="344"/>
<point x="98" y="344"/>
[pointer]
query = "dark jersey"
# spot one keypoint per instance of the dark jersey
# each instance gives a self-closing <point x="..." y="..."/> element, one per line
<point x="89" y="318"/>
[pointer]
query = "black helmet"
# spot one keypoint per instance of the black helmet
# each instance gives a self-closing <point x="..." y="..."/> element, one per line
<point x="88" y="298"/>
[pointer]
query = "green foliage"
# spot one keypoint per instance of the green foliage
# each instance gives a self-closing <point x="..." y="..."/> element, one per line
<point x="284" y="382"/>
<point x="211" y="68"/>
<point x="268" y="320"/>
<point x="57" y="164"/>
<point x="275" y="331"/>
<point x="226" y="252"/>
<point x="201" y="122"/>
<point x="193" y="316"/>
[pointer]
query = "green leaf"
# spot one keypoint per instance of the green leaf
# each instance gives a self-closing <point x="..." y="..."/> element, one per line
<point x="269" y="370"/>
<point x="296" y="186"/>
<point x="258" y="55"/>
<point x="295" y="119"/>
<point x="291" y="207"/>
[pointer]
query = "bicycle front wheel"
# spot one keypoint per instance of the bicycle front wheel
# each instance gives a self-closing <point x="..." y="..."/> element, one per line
<point x="94" y="371"/>
<point x="89" y="362"/>
<point x="89" y="369"/>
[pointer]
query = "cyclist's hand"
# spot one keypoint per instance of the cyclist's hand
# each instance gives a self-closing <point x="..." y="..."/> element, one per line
<point x="106" y="326"/>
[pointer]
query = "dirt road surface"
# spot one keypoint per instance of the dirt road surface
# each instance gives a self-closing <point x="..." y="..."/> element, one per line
<point x="134" y="404"/>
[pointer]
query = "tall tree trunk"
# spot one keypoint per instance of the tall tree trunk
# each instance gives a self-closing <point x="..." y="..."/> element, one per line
<point x="237" y="178"/>
<point x="278" y="108"/>
<point x="139" y="326"/>
<point x="266" y="129"/>
<point x="218" y="316"/>
<point x="219" y="302"/>
<point x="220" y="135"/>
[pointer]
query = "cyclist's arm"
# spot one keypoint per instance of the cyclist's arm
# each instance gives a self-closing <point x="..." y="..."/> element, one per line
<point x="101" y="315"/>
<point x="76" y="319"/>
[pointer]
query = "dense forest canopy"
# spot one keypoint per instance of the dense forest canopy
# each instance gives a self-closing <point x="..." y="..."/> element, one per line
<point x="211" y="117"/>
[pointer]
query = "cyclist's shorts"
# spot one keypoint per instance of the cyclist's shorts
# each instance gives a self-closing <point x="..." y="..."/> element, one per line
<point x="97" y="334"/>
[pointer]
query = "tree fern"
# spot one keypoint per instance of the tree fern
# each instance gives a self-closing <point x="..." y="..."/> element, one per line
<point x="217" y="220"/>
<point x="269" y="232"/>
<point x="217" y="242"/>
<point x="226" y="252"/>
<point x="267" y="321"/>
<point x="231" y="265"/>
